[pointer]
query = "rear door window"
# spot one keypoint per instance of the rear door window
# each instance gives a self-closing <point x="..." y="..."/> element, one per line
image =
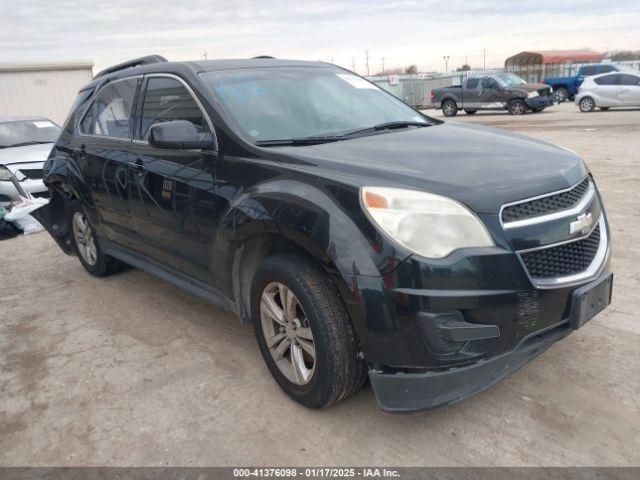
<point x="167" y="99"/>
<point x="110" y="113"/>
<point x="472" y="83"/>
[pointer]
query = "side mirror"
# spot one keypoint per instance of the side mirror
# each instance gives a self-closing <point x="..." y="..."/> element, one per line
<point x="179" y="135"/>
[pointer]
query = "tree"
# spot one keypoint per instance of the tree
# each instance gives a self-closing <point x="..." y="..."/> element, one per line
<point x="411" y="70"/>
<point x="463" y="68"/>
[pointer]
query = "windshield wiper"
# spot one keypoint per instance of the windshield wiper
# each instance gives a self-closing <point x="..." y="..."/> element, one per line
<point x="334" y="138"/>
<point x="387" y="126"/>
<point x="297" y="141"/>
<point x="23" y="144"/>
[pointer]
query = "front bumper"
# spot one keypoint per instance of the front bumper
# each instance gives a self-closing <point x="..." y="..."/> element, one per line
<point x="9" y="193"/>
<point x="404" y="392"/>
<point x="539" y="102"/>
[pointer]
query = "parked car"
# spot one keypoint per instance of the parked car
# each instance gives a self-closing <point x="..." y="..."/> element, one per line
<point x="502" y="91"/>
<point x="25" y="143"/>
<point x="358" y="236"/>
<point x="567" y="87"/>
<point x="609" y="90"/>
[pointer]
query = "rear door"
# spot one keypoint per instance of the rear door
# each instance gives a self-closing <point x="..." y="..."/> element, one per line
<point x="105" y="133"/>
<point x="171" y="192"/>
<point x="629" y="90"/>
<point x="471" y="94"/>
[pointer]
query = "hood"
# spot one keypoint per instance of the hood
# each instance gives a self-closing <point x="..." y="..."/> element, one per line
<point x="530" y="87"/>
<point x="481" y="167"/>
<point x="25" y="154"/>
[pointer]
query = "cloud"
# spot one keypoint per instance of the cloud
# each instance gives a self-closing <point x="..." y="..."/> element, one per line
<point x="402" y="31"/>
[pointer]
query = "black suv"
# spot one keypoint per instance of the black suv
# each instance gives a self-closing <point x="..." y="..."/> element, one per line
<point x="360" y="237"/>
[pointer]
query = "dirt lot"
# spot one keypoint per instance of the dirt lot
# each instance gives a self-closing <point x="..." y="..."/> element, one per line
<point x="131" y="371"/>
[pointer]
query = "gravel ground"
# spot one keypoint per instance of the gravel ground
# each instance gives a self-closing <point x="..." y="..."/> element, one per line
<point x="129" y="370"/>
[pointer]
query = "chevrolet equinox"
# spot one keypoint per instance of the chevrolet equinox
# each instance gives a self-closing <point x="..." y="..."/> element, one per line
<point x="360" y="238"/>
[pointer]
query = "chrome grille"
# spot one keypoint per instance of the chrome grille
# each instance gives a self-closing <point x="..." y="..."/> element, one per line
<point x="545" y="205"/>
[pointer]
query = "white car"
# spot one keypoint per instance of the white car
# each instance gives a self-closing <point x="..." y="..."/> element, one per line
<point x="615" y="89"/>
<point x="25" y="143"/>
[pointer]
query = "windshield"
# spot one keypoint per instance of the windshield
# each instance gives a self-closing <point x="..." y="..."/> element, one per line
<point x="27" y="132"/>
<point x="303" y="102"/>
<point x="509" y="79"/>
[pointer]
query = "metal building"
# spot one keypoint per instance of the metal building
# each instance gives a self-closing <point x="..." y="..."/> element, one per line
<point x="535" y="65"/>
<point x="46" y="89"/>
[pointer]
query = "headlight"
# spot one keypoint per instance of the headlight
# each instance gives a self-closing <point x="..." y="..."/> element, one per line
<point x="5" y="174"/>
<point x="430" y="225"/>
<point x="533" y="94"/>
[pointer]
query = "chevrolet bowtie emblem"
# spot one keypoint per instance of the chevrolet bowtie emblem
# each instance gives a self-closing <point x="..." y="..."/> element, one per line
<point x="582" y="224"/>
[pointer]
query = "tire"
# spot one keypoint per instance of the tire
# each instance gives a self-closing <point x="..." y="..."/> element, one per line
<point x="538" y="110"/>
<point x="449" y="108"/>
<point x="335" y="371"/>
<point x="86" y="246"/>
<point x="517" y="107"/>
<point x="469" y="112"/>
<point x="604" y="109"/>
<point x="561" y="94"/>
<point x="587" y="104"/>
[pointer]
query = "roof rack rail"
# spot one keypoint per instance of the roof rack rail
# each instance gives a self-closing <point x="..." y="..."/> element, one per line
<point x="264" y="56"/>
<point x="136" y="62"/>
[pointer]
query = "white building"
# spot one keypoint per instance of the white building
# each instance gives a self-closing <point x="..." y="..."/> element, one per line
<point x="46" y="89"/>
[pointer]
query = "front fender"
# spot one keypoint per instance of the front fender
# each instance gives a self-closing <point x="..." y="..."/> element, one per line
<point x="328" y="223"/>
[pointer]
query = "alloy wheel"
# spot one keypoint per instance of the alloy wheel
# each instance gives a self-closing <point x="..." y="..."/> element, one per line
<point x="586" y="104"/>
<point x="287" y="333"/>
<point x="84" y="238"/>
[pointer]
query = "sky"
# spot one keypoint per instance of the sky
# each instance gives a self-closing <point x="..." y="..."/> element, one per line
<point x="403" y="32"/>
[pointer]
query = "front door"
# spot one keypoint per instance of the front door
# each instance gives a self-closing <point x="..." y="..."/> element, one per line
<point x="491" y="94"/>
<point x="103" y="156"/>
<point x="171" y="192"/>
<point x="607" y="90"/>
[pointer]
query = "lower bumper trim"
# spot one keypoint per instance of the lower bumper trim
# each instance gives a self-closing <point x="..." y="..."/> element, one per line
<point x="405" y="392"/>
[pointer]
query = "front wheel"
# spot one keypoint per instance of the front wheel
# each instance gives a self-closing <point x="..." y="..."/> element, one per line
<point x="87" y="248"/>
<point x="604" y="109"/>
<point x="304" y="332"/>
<point x="449" y="108"/>
<point x="587" y="104"/>
<point x="517" y="107"/>
<point x="469" y="111"/>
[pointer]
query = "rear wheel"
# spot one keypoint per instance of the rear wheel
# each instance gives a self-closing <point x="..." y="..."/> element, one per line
<point x="449" y="108"/>
<point x="304" y="332"/>
<point x="561" y="94"/>
<point x="517" y="107"/>
<point x="469" y="112"/>
<point x="604" y="109"/>
<point x="587" y="104"/>
<point x="87" y="248"/>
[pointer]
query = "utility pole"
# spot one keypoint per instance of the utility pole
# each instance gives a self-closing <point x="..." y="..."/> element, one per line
<point x="205" y="55"/>
<point x="353" y="64"/>
<point x="382" y="62"/>
<point x="484" y="58"/>
<point x="446" y="63"/>
<point x="366" y="59"/>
